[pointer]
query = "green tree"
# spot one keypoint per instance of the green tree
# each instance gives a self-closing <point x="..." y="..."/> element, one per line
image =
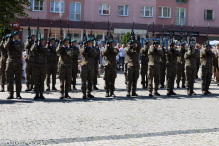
<point x="125" y="39"/>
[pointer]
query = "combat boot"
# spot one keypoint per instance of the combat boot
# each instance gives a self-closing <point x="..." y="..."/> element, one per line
<point x="183" y="86"/>
<point x="208" y="92"/>
<point x="31" y="88"/>
<point x="84" y="96"/>
<point x="36" y="96"/>
<point x="173" y="93"/>
<point x="156" y="93"/>
<point x="107" y="94"/>
<point x="2" y="89"/>
<point x="112" y="94"/>
<point x="28" y="88"/>
<point x="41" y="96"/>
<point x="134" y="94"/>
<point x="54" y="88"/>
<point x="74" y="88"/>
<point x="178" y="85"/>
<point x="128" y="94"/>
<point x="192" y="93"/>
<point x="95" y="87"/>
<point x="168" y="93"/>
<point x="90" y="96"/>
<point x="67" y="96"/>
<point x="204" y="93"/>
<point x="150" y="94"/>
<point x="62" y="96"/>
<point x="143" y="86"/>
<point x="161" y="86"/>
<point x="48" y="88"/>
<point x="11" y="96"/>
<point x="18" y="95"/>
<point x="188" y="92"/>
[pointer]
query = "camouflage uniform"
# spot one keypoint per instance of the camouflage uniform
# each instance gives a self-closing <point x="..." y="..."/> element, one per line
<point x="75" y="65"/>
<point x="110" y="67"/>
<point x="51" y="67"/>
<point x="14" y="66"/>
<point x="3" y="59"/>
<point x="65" y="73"/>
<point x="29" y="65"/>
<point x="144" y="66"/>
<point x="206" y="68"/>
<point x="180" y="73"/>
<point x="197" y="62"/>
<point x="154" y="56"/>
<point x="87" y="69"/>
<point x="96" y="59"/>
<point x="162" y="69"/>
<point x="171" y="58"/>
<point x="132" y="55"/>
<point x="125" y="69"/>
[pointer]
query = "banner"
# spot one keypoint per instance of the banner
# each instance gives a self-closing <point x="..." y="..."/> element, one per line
<point x="124" y="31"/>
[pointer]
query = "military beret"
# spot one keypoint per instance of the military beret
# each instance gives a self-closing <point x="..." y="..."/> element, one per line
<point x="183" y="43"/>
<point x="65" y="39"/>
<point x="89" y="40"/>
<point x="32" y="35"/>
<point x="156" y="42"/>
<point x="51" y="39"/>
<point x="132" y="41"/>
<point x="7" y="35"/>
<point x="92" y="39"/>
<point x="111" y="41"/>
<point x="16" y="33"/>
<point x="74" y="40"/>
<point x="42" y="38"/>
<point x="147" y="41"/>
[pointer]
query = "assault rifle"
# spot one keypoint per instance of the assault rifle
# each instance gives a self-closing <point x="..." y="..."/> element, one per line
<point x="29" y="32"/>
<point x="49" y="35"/>
<point x="61" y="35"/>
<point x="69" y="35"/>
<point x="37" y="31"/>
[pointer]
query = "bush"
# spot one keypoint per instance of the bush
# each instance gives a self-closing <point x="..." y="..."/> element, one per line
<point x="125" y="39"/>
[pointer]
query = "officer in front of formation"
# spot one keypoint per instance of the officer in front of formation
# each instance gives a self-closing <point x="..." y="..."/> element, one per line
<point x="171" y="60"/>
<point x="3" y="59"/>
<point x="110" y="66"/>
<point x="14" y="64"/>
<point x="154" y="55"/>
<point x="40" y="53"/>
<point x="144" y="65"/>
<point x="206" y="56"/>
<point x="29" y="63"/>
<point x="65" y="74"/>
<point x="76" y="51"/>
<point x="87" y="68"/>
<point x="51" y="64"/>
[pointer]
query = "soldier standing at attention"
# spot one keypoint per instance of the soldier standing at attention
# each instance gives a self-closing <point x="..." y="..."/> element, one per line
<point x="180" y="74"/>
<point x="144" y="65"/>
<point x="65" y="75"/>
<point x="29" y="63"/>
<point x="217" y="63"/>
<point x="110" y="74"/>
<point x="171" y="57"/>
<point x="40" y="53"/>
<point x="14" y="64"/>
<point x="51" y="64"/>
<point x="190" y="70"/>
<point x="154" y="55"/>
<point x="74" y="63"/>
<point x="197" y="50"/>
<point x="206" y="56"/>
<point x="3" y="59"/>
<point x="162" y="66"/>
<point x="87" y="68"/>
<point x="96" y="59"/>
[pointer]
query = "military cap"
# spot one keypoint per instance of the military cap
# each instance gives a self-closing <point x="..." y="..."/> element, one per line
<point x="111" y="41"/>
<point x="65" y="39"/>
<point x="16" y="33"/>
<point x="89" y="40"/>
<point x="42" y="38"/>
<point x="74" y="40"/>
<point x="51" y="39"/>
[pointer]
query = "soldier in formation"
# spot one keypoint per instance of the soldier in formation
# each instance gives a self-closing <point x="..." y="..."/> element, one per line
<point x="96" y="59"/>
<point x="162" y="66"/>
<point x="144" y="65"/>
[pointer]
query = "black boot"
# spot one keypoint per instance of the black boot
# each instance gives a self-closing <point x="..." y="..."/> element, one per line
<point x="54" y="88"/>
<point x="208" y="92"/>
<point x="204" y="93"/>
<point x="62" y="96"/>
<point x="112" y="94"/>
<point x="36" y="96"/>
<point x="67" y="96"/>
<point x="173" y="93"/>
<point x="74" y="88"/>
<point x="2" y="89"/>
<point x="95" y="87"/>
<point x="188" y="92"/>
<point x="28" y="88"/>
<point x="161" y="86"/>
<point x="178" y="85"/>
<point x="183" y="86"/>
<point x="84" y="96"/>
<point x="31" y="88"/>
<point x="134" y="94"/>
<point x="11" y="96"/>
<point x="168" y="93"/>
<point x="150" y="94"/>
<point x="90" y="96"/>
<point x="156" y="93"/>
<point x="128" y="94"/>
<point x="41" y="96"/>
<point x="192" y="93"/>
<point x="18" y="95"/>
<point x="107" y="94"/>
<point x="143" y="86"/>
<point x="48" y="88"/>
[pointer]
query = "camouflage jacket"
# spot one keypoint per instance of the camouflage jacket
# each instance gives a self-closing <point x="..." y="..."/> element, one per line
<point x="163" y="59"/>
<point x="190" y="57"/>
<point x="206" y="58"/>
<point x="40" y="54"/>
<point x="110" y="54"/>
<point x="88" y="55"/>
<point x="52" y="58"/>
<point x="14" y="51"/>
<point x="76" y="52"/>
<point x="98" y="54"/>
<point x="4" y="54"/>
<point x="180" y="59"/>
<point x="144" y="54"/>
<point x="154" y="56"/>
<point x="28" y="45"/>
<point x="66" y="56"/>
<point x="132" y="55"/>
<point x="171" y="57"/>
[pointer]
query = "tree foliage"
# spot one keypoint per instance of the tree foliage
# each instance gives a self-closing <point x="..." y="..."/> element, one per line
<point x="126" y="38"/>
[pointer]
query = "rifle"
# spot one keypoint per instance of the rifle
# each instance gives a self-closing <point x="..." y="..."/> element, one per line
<point x="61" y="35"/>
<point x="29" y="32"/>
<point x="37" y="31"/>
<point x="207" y="35"/>
<point x="107" y="35"/>
<point x="49" y="34"/>
<point x="171" y="34"/>
<point x="69" y="35"/>
<point x="153" y="34"/>
<point x="190" y="37"/>
<point x="4" y="32"/>
<point x="162" y="39"/>
<point x="12" y="32"/>
<point x="85" y="38"/>
<point x="147" y="36"/>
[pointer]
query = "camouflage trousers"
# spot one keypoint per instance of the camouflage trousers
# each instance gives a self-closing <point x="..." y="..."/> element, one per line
<point x="95" y="73"/>
<point x="39" y="76"/>
<point x="217" y="75"/>
<point x="132" y="78"/>
<point x="65" y="76"/>
<point x="2" y="73"/>
<point x="180" y="73"/>
<point x="51" y="70"/>
<point x="125" y="72"/>
<point x="109" y="77"/>
<point x="153" y="73"/>
<point x="11" y="72"/>
<point x="170" y="77"/>
<point x="206" y="78"/>
<point x="74" y="73"/>
<point x="87" y="74"/>
<point x="144" y="75"/>
<point x="29" y="71"/>
<point x="162" y="73"/>
<point x="190" y="74"/>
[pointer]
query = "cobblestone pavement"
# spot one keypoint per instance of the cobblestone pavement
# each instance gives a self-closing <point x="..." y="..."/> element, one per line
<point x="176" y="120"/>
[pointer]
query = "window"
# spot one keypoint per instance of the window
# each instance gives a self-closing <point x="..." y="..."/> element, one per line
<point x="75" y="11"/>
<point x="209" y="15"/>
<point x="164" y="12"/>
<point x="104" y="9"/>
<point x="57" y="7"/>
<point x="146" y="11"/>
<point x="180" y="16"/>
<point x="36" y="5"/>
<point x="123" y="10"/>
<point x="181" y="1"/>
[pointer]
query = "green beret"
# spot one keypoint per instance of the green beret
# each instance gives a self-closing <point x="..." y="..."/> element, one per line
<point x="183" y="43"/>
<point x="32" y="35"/>
<point x="89" y="40"/>
<point x="156" y="42"/>
<point x="7" y="35"/>
<point x="65" y="39"/>
<point x="16" y="33"/>
<point x="147" y="41"/>
<point x="42" y="38"/>
<point x="132" y="41"/>
<point x="92" y="39"/>
<point x="74" y="40"/>
<point x="111" y="41"/>
<point x="51" y="39"/>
